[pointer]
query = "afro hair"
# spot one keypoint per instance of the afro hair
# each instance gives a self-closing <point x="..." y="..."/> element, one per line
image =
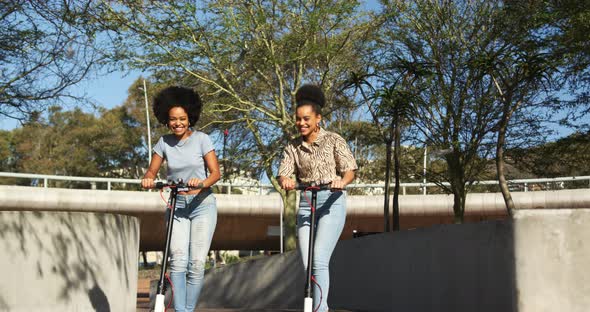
<point x="310" y="95"/>
<point x="172" y="97"/>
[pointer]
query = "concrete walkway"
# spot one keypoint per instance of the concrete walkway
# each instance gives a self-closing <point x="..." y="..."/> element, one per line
<point x="143" y="302"/>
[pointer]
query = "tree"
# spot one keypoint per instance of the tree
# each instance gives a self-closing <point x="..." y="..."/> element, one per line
<point x="135" y="108"/>
<point x="74" y="143"/>
<point x="524" y="74"/>
<point x="389" y="108"/>
<point x="453" y="106"/>
<point x="6" y="154"/>
<point x="386" y="132"/>
<point x="567" y="156"/>
<point x="248" y="58"/>
<point x="5" y="147"/>
<point x="364" y="142"/>
<point x="533" y="46"/>
<point x="45" y="49"/>
<point x="562" y="28"/>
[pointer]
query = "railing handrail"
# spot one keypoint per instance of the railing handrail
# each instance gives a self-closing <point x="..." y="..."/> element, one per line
<point x="268" y="185"/>
<point x="67" y="178"/>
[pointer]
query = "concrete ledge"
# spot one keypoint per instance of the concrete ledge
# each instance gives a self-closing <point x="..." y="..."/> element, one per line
<point x="251" y="222"/>
<point x="68" y="261"/>
<point x="552" y="260"/>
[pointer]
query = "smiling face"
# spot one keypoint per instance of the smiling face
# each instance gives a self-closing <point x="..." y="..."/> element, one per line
<point x="178" y="122"/>
<point x="307" y="120"/>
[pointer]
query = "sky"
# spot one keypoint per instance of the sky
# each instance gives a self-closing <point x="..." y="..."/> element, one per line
<point x="105" y="90"/>
<point x="110" y="90"/>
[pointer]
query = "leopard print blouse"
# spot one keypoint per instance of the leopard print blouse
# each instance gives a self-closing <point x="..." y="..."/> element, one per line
<point x="323" y="161"/>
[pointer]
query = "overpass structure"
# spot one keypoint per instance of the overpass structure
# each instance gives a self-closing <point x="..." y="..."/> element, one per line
<point x="80" y="247"/>
<point x="253" y="222"/>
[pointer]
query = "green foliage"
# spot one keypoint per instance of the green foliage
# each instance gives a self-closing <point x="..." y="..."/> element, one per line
<point x="568" y="156"/>
<point x="424" y="75"/>
<point x="74" y="143"/>
<point x="560" y="29"/>
<point x="6" y="150"/>
<point x="46" y="48"/>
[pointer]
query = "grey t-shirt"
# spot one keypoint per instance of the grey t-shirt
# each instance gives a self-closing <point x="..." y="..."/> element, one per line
<point x="184" y="157"/>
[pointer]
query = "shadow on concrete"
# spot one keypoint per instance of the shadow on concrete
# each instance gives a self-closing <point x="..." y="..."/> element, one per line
<point x="69" y="252"/>
<point x="275" y="282"/>
<point x="99" y="300"/>
<point x="467" y="267"/>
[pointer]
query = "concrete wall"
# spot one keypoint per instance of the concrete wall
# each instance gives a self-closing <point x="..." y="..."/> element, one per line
<point x="468" y="267"/>
<point x="537" y="262"/>
<point x="68" y="261"/>
<point x="265" y="283"/>
<point x="553" y="260"/>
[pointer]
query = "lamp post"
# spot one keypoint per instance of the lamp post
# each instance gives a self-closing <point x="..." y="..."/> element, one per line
<point x="424" y="170"/>
<point x="147" y="116"/>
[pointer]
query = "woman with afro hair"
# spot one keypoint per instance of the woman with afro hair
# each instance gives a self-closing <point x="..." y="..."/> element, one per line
<point x="321" y="157"/>
<point x="188" y="154"/>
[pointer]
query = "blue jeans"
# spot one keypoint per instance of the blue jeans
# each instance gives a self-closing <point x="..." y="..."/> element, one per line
<point x="330" y="215"/>
<point x="194" y="223"/>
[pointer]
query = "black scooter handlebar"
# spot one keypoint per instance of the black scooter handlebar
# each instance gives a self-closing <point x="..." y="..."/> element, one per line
<point x="179" y="186"/>
<point x="317" y="187"/>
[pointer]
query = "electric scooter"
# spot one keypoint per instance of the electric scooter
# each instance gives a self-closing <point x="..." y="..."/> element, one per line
<point x="174" y="187"/>
<point x="314" y="188"/>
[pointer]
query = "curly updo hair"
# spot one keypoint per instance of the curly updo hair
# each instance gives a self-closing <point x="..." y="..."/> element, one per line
<point x="172" y="97"/>
<point x="310" y="94"/>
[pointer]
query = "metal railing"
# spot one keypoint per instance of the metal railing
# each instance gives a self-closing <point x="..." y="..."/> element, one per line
<point x="261" y="187"/>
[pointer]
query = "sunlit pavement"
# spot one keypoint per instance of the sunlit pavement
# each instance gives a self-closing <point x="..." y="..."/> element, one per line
<point x="143" y="302"/>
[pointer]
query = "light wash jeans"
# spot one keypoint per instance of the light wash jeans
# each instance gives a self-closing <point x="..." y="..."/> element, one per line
<point x="330" y="216"/>
<point x="194" y="223"/>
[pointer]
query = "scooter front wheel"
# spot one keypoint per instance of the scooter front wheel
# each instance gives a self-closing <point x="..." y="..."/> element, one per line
<point x="308" y="305"/>
<point x="160" y="306"/>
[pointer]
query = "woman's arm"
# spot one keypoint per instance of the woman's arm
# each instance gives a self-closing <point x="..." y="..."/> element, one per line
<point x="214" y="173"/>
<point x="286" y="169"/>
<point x="286" y="183"/>
<point x="152" y="172"/>
<point x="347" y="177"/>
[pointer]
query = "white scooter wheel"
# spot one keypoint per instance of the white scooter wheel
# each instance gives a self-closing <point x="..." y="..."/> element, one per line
<point x="308" y="305"/>
<point x="160" y="306"/>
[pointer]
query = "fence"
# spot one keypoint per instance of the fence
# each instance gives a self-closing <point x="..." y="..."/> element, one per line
<point x="524" y="185"/>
